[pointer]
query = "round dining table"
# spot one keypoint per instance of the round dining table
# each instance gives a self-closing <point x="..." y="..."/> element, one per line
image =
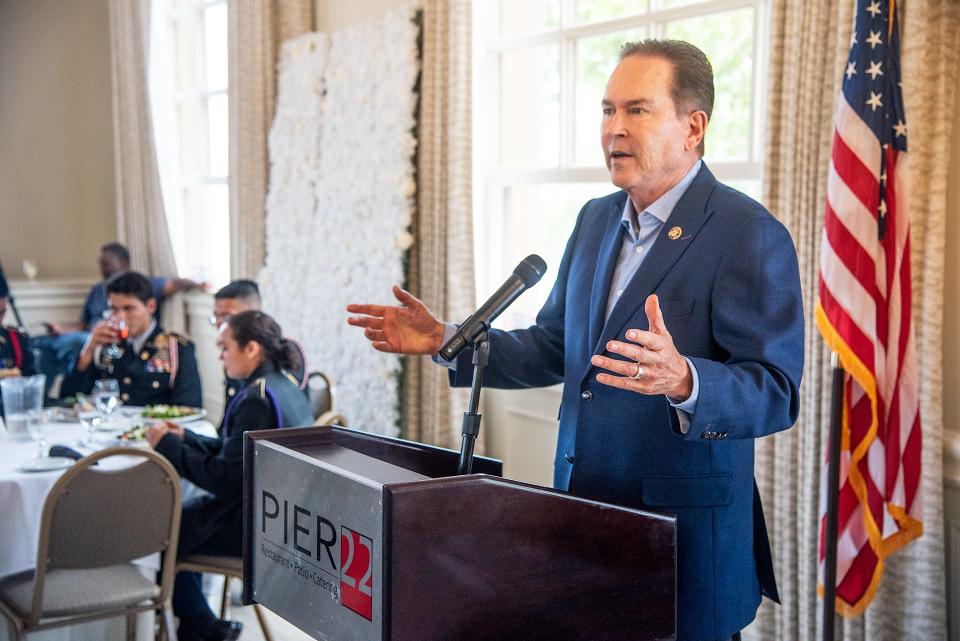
<point x="22" y="495"/>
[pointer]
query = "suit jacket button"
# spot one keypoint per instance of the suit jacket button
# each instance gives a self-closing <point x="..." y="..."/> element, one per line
<point x="124" y="397"/>
<point x="127" y="380"/>
<point x="155" y="384"/>
<point x="586" y="395"/>
<point x="568" y="458"/>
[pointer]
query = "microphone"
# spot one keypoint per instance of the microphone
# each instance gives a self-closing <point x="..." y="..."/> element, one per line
<point x="527" y="274"/>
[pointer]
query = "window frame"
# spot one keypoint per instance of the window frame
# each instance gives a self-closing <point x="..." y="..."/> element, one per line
<point x="492" y="180"/>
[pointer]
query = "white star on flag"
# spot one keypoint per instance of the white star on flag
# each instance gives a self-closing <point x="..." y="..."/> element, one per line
<point x="874" y="100"/>
<point x="874" y="70"/>
<point x="900" y="129"/>
<point x="874" y="9"/>
<point x="874" y="39"/>
<point x="851" y="69"/>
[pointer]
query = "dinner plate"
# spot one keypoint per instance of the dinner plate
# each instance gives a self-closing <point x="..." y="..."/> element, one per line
<point x="46" y="464"/>
<point x="201" y="413"/>
<point x="136" y="443"/>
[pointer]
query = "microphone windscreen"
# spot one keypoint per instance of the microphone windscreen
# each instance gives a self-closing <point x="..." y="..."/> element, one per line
<point x="530" y="270"/>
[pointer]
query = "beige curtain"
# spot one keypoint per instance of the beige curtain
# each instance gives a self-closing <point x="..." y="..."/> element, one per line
<point x="141" y="221"/>
<point x="257" y="28"/>
<point x="441" y="260"/>
<point x="809" y="45"/>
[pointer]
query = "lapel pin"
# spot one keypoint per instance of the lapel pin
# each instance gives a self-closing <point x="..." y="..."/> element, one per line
<point x="674" y="233"/>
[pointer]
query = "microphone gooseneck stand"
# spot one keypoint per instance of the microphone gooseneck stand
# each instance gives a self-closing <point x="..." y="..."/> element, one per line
<point x="471" y="419"/>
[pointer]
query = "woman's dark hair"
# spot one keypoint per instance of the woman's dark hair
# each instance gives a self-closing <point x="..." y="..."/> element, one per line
<point x="256" y="326"/>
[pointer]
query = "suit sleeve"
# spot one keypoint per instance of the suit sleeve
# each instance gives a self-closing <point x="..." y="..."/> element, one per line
<point x="757" y="322"/>
<point x="77" y="382"/>
<point x="186" y="388"/>
<point x="27" y="367"/>
<point x="531" y="357"/>
<point x="219" y="472"/>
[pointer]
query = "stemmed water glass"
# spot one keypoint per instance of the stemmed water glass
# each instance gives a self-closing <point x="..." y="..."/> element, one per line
<point x="36" y="426"/>
<point x="106" y="396"/>
<point x="90" y="419"/>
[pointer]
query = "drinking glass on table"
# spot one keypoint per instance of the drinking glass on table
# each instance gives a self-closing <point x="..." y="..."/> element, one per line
<point x="114" y="350"/>
<point x="106" y="396"/>
<point x="90" y="419"/>
<point x="36" y="426"/>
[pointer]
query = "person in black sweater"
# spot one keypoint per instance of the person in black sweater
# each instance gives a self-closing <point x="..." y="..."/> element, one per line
<point x="253" y="350"/>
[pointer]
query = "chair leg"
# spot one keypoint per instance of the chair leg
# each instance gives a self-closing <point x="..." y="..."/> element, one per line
<point x="263" y="622"/>
<point x="167" y="625"/>
<point x="132" y="627"/>
<point x="225" y="597"/>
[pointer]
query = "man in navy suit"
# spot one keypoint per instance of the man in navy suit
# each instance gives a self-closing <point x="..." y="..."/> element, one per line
<point x="676" y="327"/>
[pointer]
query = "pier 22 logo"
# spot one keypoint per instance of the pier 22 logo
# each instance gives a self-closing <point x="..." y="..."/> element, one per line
<point x="356" y="572"/>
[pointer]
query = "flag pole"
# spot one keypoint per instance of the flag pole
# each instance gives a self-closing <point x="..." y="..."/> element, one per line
<point x="833" y="499"/>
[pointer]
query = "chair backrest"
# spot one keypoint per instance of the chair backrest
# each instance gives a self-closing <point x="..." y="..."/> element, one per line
<point x="320" y="392"/>
<point x="95" y="517"/>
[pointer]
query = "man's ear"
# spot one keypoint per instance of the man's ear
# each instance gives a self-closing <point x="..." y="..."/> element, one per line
<point x="151" y="306"/>
<point x="696" y="129"/>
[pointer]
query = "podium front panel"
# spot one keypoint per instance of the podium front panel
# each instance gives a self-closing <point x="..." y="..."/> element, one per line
<point x="317" y="553"/>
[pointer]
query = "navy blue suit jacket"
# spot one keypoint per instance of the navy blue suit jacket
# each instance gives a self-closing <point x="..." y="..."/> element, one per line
<point x="729" y="290"/>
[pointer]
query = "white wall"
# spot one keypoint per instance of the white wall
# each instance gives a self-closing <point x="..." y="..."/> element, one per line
<point x="56" y="143"/>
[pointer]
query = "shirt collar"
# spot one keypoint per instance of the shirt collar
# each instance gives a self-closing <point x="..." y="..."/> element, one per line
<point x="137" y="341"/>
<point x="662" y="206"/>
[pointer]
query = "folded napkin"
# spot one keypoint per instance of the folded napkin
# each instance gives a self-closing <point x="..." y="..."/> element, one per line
<point x="66" y="452"/>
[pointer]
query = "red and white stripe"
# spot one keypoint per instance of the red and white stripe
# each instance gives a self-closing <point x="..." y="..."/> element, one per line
<point x="864" y="312"/>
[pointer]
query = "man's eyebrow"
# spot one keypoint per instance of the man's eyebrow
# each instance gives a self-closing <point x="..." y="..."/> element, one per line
<point x="629" y="103"/>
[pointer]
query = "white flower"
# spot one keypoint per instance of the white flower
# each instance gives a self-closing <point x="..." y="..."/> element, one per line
<point x="337" y="232"/>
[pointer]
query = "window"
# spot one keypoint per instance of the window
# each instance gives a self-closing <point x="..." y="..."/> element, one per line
<point x="188" y="83"/>
<point x="541" y="67"/>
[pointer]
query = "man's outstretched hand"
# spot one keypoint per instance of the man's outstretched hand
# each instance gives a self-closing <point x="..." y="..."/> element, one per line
<point x="408" y="329"/>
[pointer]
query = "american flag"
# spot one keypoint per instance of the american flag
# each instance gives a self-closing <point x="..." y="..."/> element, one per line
<point x="864" y="310"/>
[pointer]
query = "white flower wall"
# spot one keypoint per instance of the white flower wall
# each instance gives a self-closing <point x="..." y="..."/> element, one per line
<point x="340" y="202"/>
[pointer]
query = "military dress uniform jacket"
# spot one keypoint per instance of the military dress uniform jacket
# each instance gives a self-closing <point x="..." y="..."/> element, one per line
<point x="726" y="274"/>
<point x="163" y="371"/>
<point x="16" y="359"/>
<point x="268" y="400"/>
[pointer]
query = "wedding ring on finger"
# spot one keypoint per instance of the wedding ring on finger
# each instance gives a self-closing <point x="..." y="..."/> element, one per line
<point x="639" y="373"/>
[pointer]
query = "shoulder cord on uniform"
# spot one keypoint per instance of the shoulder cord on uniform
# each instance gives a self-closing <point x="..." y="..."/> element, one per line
<point x="173" y="348"/>
<point x="17" y="348"/>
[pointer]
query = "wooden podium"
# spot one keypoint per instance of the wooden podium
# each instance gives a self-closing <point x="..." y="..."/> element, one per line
<point x="356" y="537"/>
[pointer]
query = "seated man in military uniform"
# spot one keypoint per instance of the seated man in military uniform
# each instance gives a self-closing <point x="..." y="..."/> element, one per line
<point x="244" y="296"/>
<point x="15" y="357"/>
<point x="152" y="366"/>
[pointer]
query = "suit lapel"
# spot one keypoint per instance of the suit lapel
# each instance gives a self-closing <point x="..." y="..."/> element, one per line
<point x="689" y="215"/>
<point x="606" y="262"/>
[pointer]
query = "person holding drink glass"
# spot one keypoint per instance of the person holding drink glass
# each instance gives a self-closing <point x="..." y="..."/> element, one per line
<point x="150" y="365"/>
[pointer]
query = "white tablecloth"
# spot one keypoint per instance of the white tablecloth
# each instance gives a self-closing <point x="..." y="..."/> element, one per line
<point x="22" y="493"/>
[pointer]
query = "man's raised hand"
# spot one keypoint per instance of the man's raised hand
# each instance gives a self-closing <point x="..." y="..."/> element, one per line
<point x="408" y="329"/>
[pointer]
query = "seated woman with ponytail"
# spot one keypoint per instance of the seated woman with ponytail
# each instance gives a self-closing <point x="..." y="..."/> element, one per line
<point x="253" y="350"/>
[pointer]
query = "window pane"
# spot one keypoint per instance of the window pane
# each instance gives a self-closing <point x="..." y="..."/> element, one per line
<point x="528" y="16"/>
<point x="666" y="4"/>
<point x="599" y="10"/>
<point x="207" y="233"/>
<point x="530" y="107"/>
<point x="191" y="141"/>
<point x="727" y="39"/>
<point x="185" y="36"/>
<point x="215" y="40"/>
<point x="596" y="58"/>
<point x="217" y="127"/>
<point x="556" y="206"/>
